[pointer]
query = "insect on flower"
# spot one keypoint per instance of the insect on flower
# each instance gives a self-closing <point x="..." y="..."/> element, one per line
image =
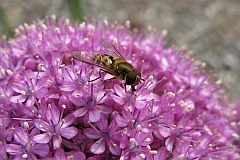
<point x="113" y="63"/>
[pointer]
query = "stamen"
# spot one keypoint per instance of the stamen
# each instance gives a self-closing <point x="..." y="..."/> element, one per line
<point x="138" y="127"/>
<point x="153" y="152"/>
<point x="71" y="29"/>
<point x="132" y="140"/>
<point x="9" y="72"/>
<point x="23" y="93"/>
<point x="25" y="125"/>
<point x="142" y="155"/>
<point x="147" y="140"/>
<point x="115" y="41"/>
<point x="57" y="30"/>
<point x="128" y="23"/>
<point x="67" y="22"/>
<point x="105" y="21"/>
<point x="82" y="25"/>
<point x="24" y="156"/>
<point x="171" y="94"/>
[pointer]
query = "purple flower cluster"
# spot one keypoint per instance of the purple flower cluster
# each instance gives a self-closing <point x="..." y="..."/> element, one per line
<point x="50" y="110"/>
<point x="234" y="112"/>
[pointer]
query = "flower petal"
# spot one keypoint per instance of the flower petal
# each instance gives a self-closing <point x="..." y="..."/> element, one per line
<point x="164" y="131"/>
<point x="69" y="132"/>
<point x="60" y="154"/>
<point x="67" y="87"/>
<point x="169" y="144"/>
<point x="78" y="101"/>
<point x="40" y="149"/>
<point x="53" y="114"/>
<point x="13" y="149"/>
<point x="21" y="136"/>
<point x="162" y="153"/>
<point x="41" y="93"/>
<point x="121" y="122"/>
<point x="79" y="156"/>
<point x="57" y="141"/>
<point x="80" y="112"/>
<point x="42" y="138"/>
<point x="68" y="120"/>
<point x="30" y="101"/>
<point x="114" y="148"/>
<point x="42" y="125"/>
<point x="104" y="109"/>
<point x="119" y="91"/>
<point x="92" y="133"/>
<point x="18" y="99"/>
<point x="118" y="100"/>
<point x="98" y="147"/>
<point x="94" y="115"/>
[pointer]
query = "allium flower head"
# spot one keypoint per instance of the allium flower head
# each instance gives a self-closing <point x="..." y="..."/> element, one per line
<point x="53" y="106"/>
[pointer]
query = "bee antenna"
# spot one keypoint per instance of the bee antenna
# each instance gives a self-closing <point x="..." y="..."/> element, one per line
<point x="142" y="61"/>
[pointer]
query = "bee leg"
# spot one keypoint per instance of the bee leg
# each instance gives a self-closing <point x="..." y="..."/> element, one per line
<point x="133" y="89"/>
<point x="107" y="82"/>
<point x="125" y="88"/>
<point x="97" y="77"/>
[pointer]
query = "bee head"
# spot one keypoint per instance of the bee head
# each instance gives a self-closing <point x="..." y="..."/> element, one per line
<point x="133" y="78"/>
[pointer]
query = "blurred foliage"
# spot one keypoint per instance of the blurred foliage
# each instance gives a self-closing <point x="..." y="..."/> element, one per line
<point x="7" y="29"/>
<point x="75" y="9"/>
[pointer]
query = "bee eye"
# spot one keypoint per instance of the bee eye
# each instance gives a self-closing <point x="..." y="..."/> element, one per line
<point x="131" y="78"/>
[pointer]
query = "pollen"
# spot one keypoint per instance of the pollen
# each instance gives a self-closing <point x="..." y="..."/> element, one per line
<point x="9" y="72"/>
<point x="58" y="59"/>
<point x="23" y="92"/>
<point x="153" y="152"/>
<point x="171" y="94"/>
<point x="57" y="30"/>
<point x="115" y="41"/>
<point x="49" y="105"/>
<point x="142" y="155"/>
<point x="180" y="91"/>
<point x="86" y="40"/>
<point x="150" y="78"/>
<point x="49" y="134"/>
<point x="82" y="25"/>
<point x="25" y="125"/>
<point x="2" y="96"/>
<point x="128" y="23"/>
<point x="67" y="22"/>
<point x="132" y="140"/>
<point x="147" y="140"/>
<point x="122" y="158"/>
<point x="138" y="127"/>
<point x="24" y="156"/>
<point x="105" y="21"/>
<point x="71" y="29"/>
<point x="44" y="27"/>
<point x="53" y="17"/>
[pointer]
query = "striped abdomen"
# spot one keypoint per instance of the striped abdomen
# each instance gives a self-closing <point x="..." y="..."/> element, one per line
<point x="104" y="60"/>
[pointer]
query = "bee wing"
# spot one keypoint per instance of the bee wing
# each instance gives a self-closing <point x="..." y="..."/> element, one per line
<point x="109" y="47"/>
<point x="87" y="57"/>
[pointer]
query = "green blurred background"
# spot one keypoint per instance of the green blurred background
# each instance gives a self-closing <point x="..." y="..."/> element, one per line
<point x="210" y="29"/>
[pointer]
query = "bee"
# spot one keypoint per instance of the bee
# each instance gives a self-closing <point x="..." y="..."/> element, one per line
<point x="112" y="63"/>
